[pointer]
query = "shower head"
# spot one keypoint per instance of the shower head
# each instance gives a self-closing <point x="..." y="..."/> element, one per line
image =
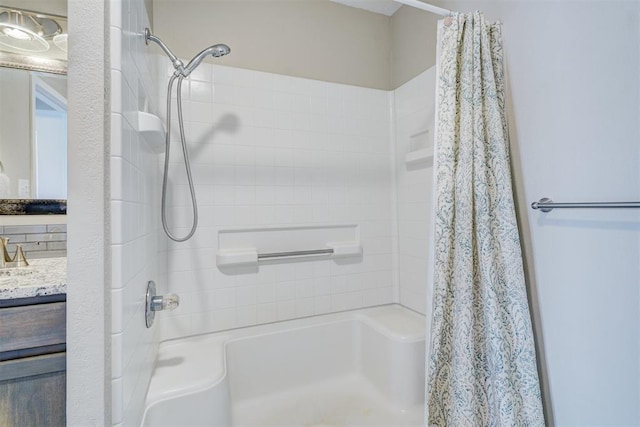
<point x="220" y="50"/>
<point x="216" y="51"/>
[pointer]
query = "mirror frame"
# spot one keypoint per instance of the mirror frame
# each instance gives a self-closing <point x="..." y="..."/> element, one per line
<point x="27" y="61"/>
<point x="30" y="63"/>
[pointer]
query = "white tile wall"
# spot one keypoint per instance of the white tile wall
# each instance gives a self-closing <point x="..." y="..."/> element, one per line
<point x="270" y="149"/>
<point x="414" y="112"/>
<point x="134" y="211"/>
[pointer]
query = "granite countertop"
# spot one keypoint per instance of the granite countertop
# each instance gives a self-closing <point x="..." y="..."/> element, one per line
<point x="46" y="276"/>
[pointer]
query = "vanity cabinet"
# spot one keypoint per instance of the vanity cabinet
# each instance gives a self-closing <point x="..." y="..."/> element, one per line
<point x="33" y="361"/>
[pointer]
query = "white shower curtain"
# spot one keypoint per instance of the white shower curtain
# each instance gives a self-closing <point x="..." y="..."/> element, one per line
<point x="482" y="364"/>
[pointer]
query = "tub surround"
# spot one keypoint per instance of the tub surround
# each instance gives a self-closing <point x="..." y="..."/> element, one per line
<point x="134" y="214"/>
<point x="298" y="162"/>
<point x="47" y="276"/>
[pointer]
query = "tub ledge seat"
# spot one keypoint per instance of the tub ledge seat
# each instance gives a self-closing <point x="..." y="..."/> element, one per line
<point x="187" y="371"/>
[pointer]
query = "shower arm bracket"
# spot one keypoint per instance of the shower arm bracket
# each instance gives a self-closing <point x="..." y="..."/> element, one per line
<point x="177" y="63"/>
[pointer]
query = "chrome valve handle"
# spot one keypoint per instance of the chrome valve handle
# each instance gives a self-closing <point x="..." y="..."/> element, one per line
<point x="165" y="302"/>
<point x="158" y="303"/>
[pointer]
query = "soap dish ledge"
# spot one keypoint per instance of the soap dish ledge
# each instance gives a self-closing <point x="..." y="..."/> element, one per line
<point x="152" y="130"/>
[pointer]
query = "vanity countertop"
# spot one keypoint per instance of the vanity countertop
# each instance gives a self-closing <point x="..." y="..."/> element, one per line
<point x="46" y="276"/>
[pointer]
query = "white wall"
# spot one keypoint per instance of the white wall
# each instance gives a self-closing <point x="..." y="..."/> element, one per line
<point x="574" y="108"/>
<point x="134" y="191"/>
<point x="414" y="104"/>
<point x="413" y="43"/>
<point x="88" y="274"/>
<point x="268" y="150"/>
<point x="316" y="39"/>
<point x="574" y="123"/>
<point x="15" y="122"/>
<point x="55" y="7"/>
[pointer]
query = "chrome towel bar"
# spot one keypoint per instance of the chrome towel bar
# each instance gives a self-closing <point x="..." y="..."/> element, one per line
<point x="547" y="205"/>
<point x="274" y="255"/>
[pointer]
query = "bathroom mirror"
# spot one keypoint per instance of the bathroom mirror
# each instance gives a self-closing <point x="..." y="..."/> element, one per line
<point x="33" y="112"/>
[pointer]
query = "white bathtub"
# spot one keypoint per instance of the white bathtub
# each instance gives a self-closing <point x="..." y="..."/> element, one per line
<point x="358" y="368"/>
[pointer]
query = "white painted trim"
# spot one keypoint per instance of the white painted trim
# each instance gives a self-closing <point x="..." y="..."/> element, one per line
<point x="426" y="6"/>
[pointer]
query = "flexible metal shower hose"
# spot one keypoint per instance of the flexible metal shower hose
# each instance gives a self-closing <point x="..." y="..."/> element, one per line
<point x="186" y="163"/>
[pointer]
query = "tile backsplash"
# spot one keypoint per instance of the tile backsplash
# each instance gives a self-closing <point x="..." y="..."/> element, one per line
<point x="38" y="241"/>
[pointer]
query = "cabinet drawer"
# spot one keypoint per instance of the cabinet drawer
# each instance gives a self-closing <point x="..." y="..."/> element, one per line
<point x="32" y="326"/>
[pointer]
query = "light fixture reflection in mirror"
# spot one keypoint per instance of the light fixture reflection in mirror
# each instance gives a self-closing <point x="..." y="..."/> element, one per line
<point x="61" y="41"/>
<point x="27" y="31"/>
<point x="33" y="40"/>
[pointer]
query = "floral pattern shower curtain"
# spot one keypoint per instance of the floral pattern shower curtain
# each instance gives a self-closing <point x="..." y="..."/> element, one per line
<point x="482" y="364"/>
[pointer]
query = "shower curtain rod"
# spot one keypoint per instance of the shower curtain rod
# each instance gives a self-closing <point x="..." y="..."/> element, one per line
<point x="426" y="6"/>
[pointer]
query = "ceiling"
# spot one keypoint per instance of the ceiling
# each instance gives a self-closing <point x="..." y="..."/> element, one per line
<point x="384" y="7"/>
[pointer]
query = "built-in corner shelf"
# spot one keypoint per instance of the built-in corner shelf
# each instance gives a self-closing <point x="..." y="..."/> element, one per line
<point x="418" y="156"/>
<point x="152" y="130"/>
<point x="420" y="148"/>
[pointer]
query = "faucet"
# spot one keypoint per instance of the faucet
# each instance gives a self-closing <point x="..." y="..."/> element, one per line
<point x="5" y="259"/>
<point x="18" y="259"/>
